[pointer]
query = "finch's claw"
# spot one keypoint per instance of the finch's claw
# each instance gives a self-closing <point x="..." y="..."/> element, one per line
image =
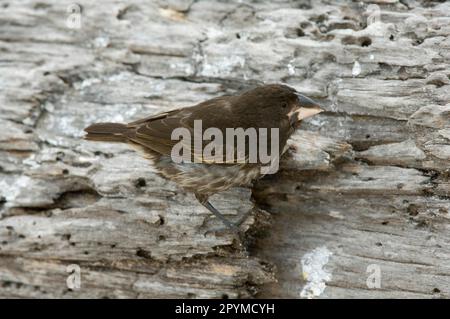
<point x="234" y="227"/>
<point x="223" y="219"/>
<point x="216" y="213"/>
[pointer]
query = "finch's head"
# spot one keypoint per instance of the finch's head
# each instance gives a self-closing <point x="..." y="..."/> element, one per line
<point x="278" y="101"/>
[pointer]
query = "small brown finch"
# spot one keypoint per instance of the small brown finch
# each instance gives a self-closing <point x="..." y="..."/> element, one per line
<point x="263" y="109"/>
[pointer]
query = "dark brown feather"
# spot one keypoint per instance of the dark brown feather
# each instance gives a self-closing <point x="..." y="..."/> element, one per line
<point x="263" y="107"/>
<point x="108" y="132"/>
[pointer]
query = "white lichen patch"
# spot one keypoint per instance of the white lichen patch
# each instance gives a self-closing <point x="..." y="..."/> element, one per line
<point x="86" y="83"/>
<point x="101" y="41"/>
<point x="313" y="272"/>
<point x="291" y="69"/>
<point x="356" y="70"/>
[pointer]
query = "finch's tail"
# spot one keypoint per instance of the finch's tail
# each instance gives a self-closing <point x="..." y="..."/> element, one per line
<point x="107" y="132"/>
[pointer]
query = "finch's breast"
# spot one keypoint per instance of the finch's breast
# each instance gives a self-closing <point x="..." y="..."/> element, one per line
<point x="207" y="178"/>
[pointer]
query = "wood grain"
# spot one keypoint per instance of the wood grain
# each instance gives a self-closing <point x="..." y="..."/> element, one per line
<point x="364" y="184"/>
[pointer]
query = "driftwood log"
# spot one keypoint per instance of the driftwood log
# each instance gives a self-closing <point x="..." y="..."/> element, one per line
<point x="360" y="207"/>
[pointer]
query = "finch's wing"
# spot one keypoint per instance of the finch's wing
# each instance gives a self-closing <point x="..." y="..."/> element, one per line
<point x="155" y="132"/>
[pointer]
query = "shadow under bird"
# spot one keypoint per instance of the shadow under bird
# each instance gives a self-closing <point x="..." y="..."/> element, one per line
<point x="269" y="106"/>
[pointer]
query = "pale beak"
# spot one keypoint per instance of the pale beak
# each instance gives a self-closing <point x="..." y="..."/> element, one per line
<point x="307" y="109"/>
<point x="305" y="112"/>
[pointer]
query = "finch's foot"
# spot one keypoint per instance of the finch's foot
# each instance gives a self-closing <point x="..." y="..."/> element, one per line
<point x="234" y="227"/>
<point x="225" y="221"/>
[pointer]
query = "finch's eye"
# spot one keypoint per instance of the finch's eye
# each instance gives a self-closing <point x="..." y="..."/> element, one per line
<point x="284" y="105"/>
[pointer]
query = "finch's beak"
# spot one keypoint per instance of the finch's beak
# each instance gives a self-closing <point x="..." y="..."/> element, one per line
<point x="305" y="112"/>
<point x="307" y="109"/>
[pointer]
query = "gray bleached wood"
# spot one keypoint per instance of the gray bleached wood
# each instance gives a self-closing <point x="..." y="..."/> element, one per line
<point x="365" y="183"/>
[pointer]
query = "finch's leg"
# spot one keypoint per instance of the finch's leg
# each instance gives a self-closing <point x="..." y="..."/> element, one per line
<point x="204" y="201"/>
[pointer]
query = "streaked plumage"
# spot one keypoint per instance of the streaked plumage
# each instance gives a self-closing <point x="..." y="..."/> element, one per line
<point x="269" y="106"/>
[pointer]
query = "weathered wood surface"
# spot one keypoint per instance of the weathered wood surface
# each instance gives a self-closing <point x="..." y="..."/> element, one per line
<point x="365" y="184"/>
